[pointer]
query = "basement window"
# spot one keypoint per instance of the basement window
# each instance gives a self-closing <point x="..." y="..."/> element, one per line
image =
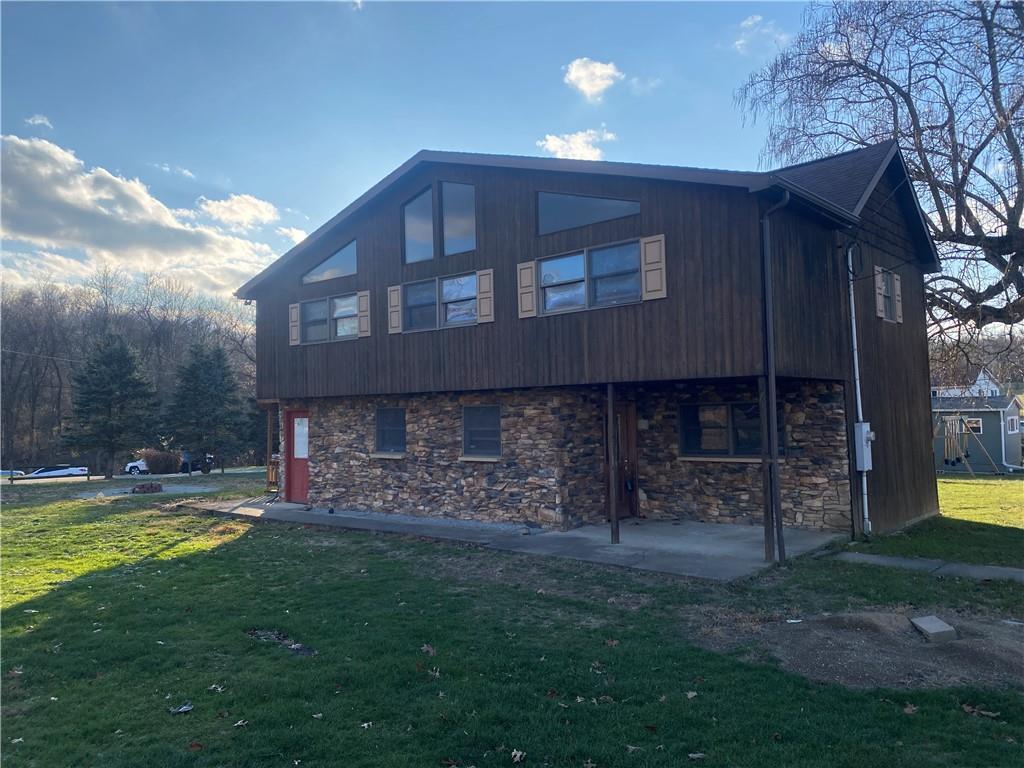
<point x="391" y="430"/>
<point x="481" y="431"/>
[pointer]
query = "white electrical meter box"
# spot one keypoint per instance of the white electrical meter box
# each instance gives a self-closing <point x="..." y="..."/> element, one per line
<point x="862" y="439"/>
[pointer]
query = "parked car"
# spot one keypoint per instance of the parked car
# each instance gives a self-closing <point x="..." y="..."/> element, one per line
<point x="59" y="470"/>
<point x="11" y="473"/>
<point x="136" y="467"/>
<point x="203" y="465"/>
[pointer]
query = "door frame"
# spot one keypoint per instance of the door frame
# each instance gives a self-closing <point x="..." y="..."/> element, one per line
<point x="289" y="448"/>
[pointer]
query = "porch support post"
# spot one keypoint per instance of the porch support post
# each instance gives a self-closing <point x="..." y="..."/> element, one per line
<point x="613" y="467"/>
<point x="270" y="442"/>
<point x="766" y="472"/>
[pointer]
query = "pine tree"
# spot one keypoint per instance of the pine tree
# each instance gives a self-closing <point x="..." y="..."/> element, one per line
<point x="111" y="403"/>
<point x="204" y="416"/>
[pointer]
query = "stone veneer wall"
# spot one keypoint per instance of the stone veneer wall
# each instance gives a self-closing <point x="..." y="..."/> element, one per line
<point x="551" y="471"/>
<point x="814" y="472"/>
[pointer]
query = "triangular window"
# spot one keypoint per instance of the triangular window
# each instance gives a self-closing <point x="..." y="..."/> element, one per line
<point x="556" y="211"/>
<point x="341" y="264"/>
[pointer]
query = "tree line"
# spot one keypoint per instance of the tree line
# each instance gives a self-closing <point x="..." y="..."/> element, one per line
<point x="177" y="367"/>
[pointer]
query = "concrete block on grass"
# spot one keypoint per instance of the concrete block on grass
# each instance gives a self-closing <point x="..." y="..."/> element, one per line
<point x="934" y="629"/>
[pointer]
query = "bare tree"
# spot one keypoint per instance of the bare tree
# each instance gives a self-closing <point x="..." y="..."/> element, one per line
<point x="947" y="82"/>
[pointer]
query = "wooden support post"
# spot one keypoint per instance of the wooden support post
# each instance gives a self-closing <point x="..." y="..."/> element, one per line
<point x="613" y="467"/>
<point x="766" y="472"/>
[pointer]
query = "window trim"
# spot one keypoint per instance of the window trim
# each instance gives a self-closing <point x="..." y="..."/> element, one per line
<point x="729" y="454"/>
<point x="476" y="215"/>
<point x="464" y="456"/>
<point x="320" y="263"/>
<point x="1016" y="425"/>
<point x="588" y="282"/>
<point x="433" y="224"/>
<point x="536" y="210"/>
<point x="439" y="304"/>
<point x="330" y="320"/>
<point x="378" y="448"/>
<point x="888" y="294"/>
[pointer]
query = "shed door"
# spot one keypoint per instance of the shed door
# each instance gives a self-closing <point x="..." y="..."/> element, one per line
<point x="296" y="476"/>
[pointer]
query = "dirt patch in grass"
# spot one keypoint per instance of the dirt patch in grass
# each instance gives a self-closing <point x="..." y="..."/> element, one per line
<point x="868" y="649"/>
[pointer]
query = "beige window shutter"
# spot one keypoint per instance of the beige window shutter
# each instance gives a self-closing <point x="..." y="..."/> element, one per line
<point x="880" y="292"/>
<point x="652" y="267"/>
<point x="294" y="330"/>
<point x="526" y="287"/>
<point x="485" y="296"/>
<point x="897" y="290"/>
<point x="363" y="312"/>
<point x="395" y="309"/>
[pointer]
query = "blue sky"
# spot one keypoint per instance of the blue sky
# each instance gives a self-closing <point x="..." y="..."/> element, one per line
<point x="200" y="140"/>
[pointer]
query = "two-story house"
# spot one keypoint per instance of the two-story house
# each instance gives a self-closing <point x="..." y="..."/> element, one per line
<point x="560" y="341"/>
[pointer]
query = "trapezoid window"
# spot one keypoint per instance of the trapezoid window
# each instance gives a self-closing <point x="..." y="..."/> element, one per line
<point x="557" y="211"/>
<point x="341" y="264"/>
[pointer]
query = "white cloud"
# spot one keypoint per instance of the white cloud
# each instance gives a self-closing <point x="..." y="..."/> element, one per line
<point x="294" y="234"/>
<point x="168" y="168"/>
<point x="581" y="145"/>
<point x="641" y="86"/>
<point x="754" y="30"/>
<point x="592" y="78"/>
<point x="53" y="202"/>
<point x="39" y="120"/>
<point x="30" y="268"/>
<point x="240" y="212"/>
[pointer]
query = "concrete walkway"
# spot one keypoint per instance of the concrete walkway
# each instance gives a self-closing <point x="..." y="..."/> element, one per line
<point x="935" y="567"/>
<point x="703" y="550"/>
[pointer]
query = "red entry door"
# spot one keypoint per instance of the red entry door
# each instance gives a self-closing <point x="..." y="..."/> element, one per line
<point x="296" y="476"/>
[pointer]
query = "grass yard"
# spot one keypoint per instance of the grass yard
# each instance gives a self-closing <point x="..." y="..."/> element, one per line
<point x="428" y="654"/>
<point x="981" y="521"/>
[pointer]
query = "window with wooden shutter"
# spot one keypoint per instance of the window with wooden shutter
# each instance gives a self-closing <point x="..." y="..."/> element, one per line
<point x="485" y="296"/>
<point x="879" y="292"/>
<point x="526" y="288"/>
<point x="395" y="309"/>
<point x="897" y="289"/>
<point x="652" y="266"/>
<point x="294" y="336"/>
<point x="363" y="312"/>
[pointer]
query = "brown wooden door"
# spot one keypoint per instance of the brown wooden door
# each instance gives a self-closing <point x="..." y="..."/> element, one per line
<point x="625" y="429"/>
<point x="296" y="475"/>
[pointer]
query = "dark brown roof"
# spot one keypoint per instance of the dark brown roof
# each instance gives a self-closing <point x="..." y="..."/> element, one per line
<point x="836" y="186"/>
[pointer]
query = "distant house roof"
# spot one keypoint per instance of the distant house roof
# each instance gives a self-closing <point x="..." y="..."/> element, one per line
<point x="837" y="186"/>
<point x="998" y="403"/>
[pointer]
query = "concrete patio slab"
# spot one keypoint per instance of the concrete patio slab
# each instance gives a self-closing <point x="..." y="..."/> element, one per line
<point x="718" y="552"/>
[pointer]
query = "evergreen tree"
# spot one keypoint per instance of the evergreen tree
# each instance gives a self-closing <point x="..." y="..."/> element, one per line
<point x="111" y="404"/>
<point x="205" y="413"/>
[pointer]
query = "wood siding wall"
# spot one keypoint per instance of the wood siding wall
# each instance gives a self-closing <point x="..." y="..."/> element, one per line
<point x="894" y="371"/>
<point x="707" y="327"/>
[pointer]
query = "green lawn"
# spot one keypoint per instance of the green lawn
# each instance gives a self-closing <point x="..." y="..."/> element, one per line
<point x="428" y="654"/>
<point x="981" y="521"/>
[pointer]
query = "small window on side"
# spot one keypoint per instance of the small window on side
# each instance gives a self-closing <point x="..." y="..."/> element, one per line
<point x="889" y="295"/>
<point x="341" y="264"/>
<point x="1013" y="425"/>
<point x="391" y="430"/>
<point x="418" y="227"/>
<point x="481" y="431"/>
<point x="314" y="321"/>
<point x="458" y="224"/>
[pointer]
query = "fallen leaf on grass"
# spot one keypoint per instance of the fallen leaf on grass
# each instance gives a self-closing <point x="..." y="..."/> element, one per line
<point x="978" y="711"/>
<point x="696" y="755"/>
<point x="366" y="725"/>
<point x="241" y="724"/>
<point x="318" y="716"/>
<point x="518" y="756"/>
<point x="181" y="709"/>
<point x="589" y="764"/>
<point x="216" y="687"/>
<point x="428" y="649"/>
<point x="611" y="643"/>
<point x="691" y="694"/>
<point x="195" y="746"/>
<point x="17" y="741"/>
<point x="552" y="693"/>
<point x="909" y="709"/>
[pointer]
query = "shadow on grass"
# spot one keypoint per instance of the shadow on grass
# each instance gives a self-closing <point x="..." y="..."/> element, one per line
<point x="410" y="670"/>
<point x="955" y="540"/>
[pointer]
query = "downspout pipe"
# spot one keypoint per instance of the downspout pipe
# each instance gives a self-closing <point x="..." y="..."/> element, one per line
<point x="768" y="315"/>
<point x="864" y="509"/>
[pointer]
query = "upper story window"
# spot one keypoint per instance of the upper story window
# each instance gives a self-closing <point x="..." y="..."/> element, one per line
<point x="418" y="227"/>
<point x="329" y="319"/>
<point x="341" y="264"/>
<point x="595" y="277"/>
<point x="458" y="221"/>
<point x="442" y="302"/>
<point x="557" y="211"/>
<point x="888" y="295"/>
